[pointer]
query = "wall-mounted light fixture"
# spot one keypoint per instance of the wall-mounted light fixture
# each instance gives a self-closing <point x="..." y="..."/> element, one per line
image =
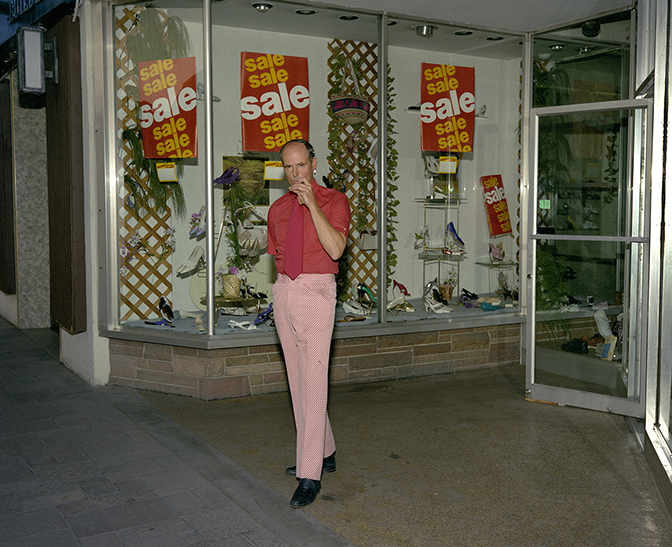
<point x="425" y="31"/>
<point x="262" y="7"/>
<point x="590" y="29"/>
<point x="31" y="63"/>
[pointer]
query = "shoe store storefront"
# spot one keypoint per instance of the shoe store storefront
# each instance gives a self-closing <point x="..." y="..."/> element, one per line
<point x="506" y="190"/>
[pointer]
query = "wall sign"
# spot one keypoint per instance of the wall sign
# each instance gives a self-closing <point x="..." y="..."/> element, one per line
<point x="496" y="208"/>
<point x="168" y="107"/>
<point x="447" y="108"/>
<point x="274" y="100"/>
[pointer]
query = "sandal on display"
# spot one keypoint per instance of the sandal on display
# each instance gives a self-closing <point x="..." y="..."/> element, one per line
<point x="496" y="252"/>
<point x="199" y="323"/>
<point x="469" y="295"/>
<point x="265" y="315"/>
<point x="245" y="325"/>
<point x="467" y="302"/>
<point x="436" y="307"/>
<point x="192" y="262"/>
<point x="354" y="307"/>
<point x="395" y="306"/>
<point x="349" y="318"/>
<point x="233" y="311"/>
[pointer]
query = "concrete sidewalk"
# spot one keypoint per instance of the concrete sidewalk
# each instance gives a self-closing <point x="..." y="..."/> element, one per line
<point x="103" y="467"/>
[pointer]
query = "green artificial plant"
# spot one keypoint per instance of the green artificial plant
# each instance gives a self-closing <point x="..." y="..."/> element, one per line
<point x="153" y="36"/>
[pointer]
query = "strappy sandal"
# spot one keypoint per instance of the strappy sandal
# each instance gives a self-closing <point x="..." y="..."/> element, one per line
<point x="245" y="325"/>
<point x="265" y="315"/>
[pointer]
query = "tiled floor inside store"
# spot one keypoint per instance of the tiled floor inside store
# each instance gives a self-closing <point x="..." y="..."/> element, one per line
<point x="459" y="460"/>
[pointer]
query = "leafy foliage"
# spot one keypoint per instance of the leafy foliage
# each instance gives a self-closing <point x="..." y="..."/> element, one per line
<point x="153" y="36"/>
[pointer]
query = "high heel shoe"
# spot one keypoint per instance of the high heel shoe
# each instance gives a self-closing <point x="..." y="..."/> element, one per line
<point x="495" y="253"/>
<point x="469" y="295"/>
<point x="166" y="312"/>
<point x="352" y="307"/>
<point x="363" y="292"/>
<point x="436" y="307"/>
<point x="402" y="289"/>
<point x="265" y="315"/>
<point x="198" y="223"/>
<point x="450" y="229"/>
<point x="192" y="262"/>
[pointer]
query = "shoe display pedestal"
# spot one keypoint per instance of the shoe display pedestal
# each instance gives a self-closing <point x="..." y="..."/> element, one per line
<point x="445" y="258"/>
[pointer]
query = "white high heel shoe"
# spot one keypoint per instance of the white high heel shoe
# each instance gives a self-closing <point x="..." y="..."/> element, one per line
<point x="192" y="262"/>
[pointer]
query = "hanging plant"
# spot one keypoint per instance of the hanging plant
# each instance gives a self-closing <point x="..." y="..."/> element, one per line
<point x="154" y="194"/>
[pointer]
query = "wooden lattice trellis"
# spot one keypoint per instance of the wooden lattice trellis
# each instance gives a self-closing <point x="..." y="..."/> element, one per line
<point x="145" y="277"/>
<point x="363" y="264"/>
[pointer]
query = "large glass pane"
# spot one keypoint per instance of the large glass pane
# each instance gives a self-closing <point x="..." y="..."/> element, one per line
<point x="581" y="174"/>
<point x="586" y="330"/>
<point x="161" y="226"/>
<point x="455" y="211"/>
<point x="585" y="63"/>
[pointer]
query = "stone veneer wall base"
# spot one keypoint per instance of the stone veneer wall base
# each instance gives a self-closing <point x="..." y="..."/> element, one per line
<point x="255" y="370"/>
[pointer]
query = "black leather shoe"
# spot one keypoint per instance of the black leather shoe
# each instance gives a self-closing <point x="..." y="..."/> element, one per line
<point x="305" y="493"/>
<point x="328" y="466"/>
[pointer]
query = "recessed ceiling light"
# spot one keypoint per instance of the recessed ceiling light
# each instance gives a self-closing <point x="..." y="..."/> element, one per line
<point x="495" y="38"/>
<point x="585" y="49"/>
<point x="463" y="33"/>
<point x="391" y="22"/>
<point x="262" y="7"/>
<point x="348" y="17"/>
<point x="556" y="47"/>
<point x="425" y="31"/>
<point x="305" y="12"/>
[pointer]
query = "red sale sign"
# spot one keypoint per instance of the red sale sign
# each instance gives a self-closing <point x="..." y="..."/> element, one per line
<point x="274" y="100"/>
<point x="168" y="107"/>
<point x="447" y="108"/>
<point x="496" y="208"/>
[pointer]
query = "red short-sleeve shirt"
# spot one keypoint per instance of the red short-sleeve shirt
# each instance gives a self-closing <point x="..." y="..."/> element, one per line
<point x="334" y="205"/>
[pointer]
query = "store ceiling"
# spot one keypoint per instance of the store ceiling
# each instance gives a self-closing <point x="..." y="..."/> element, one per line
<point x="512" y="15"/>
<point x="495" y="27"/>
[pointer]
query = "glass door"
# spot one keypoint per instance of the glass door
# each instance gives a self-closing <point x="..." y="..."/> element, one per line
<point x="588" y="255"/>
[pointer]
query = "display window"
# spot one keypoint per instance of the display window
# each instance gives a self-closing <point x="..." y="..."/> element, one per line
<point x="432" y="181"/>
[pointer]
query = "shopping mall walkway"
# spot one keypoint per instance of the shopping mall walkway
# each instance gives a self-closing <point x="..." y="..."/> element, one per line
<point x="459" y="460"/>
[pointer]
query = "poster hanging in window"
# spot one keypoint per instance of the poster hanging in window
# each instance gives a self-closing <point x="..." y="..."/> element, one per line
<point x="274" y="100"/>
<point x="447" y="108"/>
<point x="496" y="208"/>
<point x="168" y="108"/>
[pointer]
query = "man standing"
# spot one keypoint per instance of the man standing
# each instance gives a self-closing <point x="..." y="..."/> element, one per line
<point x="307" y="232"/>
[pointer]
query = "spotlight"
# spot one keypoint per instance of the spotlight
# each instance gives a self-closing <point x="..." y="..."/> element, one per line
<point x="556" y="47"/>
<point x="262" y="7"/>
<point x="425" y="31"/>
<point x="590" y="29"/>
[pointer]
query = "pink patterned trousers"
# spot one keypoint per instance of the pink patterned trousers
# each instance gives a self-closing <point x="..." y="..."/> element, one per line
<point x="304" y="312"/>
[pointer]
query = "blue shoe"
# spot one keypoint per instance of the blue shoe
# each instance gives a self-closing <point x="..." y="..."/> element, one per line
<point x="264" y="315"/>
<point x="450" y="229"/>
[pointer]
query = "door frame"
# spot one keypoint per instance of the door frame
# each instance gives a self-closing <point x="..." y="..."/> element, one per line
<point x="594" y="401"/>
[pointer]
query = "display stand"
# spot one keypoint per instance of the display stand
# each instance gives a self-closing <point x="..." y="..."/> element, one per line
<point x="447" y="256"/>
<point x="499" y="267"/>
